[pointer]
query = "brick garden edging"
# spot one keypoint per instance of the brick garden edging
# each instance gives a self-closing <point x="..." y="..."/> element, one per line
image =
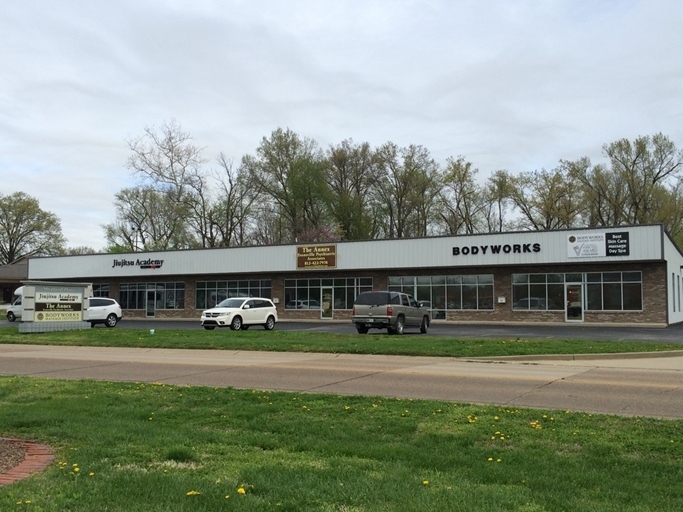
<point x="37" y="458"/>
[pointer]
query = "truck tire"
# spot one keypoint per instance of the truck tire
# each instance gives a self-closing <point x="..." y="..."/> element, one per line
<point x="398" y="326"/>
<point x="424" y="325"/>
<point x="361" y="329"/>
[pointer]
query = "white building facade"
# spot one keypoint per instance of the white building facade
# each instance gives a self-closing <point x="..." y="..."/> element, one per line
<point x="627" y="275"/>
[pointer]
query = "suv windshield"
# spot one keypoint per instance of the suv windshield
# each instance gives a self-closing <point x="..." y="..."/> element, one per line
<point x="231" y="303"/>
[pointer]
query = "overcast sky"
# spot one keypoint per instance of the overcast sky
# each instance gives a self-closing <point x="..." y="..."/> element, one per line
<point x="514" y="84"/>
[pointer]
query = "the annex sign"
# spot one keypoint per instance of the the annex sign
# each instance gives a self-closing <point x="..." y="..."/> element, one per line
<point x="310" y="257"/>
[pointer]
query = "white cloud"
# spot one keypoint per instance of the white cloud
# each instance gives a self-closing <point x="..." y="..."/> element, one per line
<point x="508" y="84"/>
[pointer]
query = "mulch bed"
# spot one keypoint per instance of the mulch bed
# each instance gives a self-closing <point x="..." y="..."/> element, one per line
<point x="19" y="459"/>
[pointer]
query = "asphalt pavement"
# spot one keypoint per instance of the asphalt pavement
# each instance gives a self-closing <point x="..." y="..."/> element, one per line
<point x="633" y="385"/>
<point x="671" y="334"/>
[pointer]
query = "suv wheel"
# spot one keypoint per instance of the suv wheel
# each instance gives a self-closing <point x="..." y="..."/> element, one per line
<point x="11" y="316"/>
<point x="111" y="320"/>
<point x="236" y="323"/>
<point x="270" y="323"/>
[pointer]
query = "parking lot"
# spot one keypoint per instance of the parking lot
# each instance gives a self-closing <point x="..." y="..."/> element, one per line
<point x="672" y="334"/>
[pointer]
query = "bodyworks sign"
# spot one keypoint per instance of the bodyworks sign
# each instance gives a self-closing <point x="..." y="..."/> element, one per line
<point x="142" y="264"/>
<point x="496" y="249"/>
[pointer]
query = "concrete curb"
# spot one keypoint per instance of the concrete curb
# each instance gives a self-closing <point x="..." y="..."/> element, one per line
<point x="582" y="357"/>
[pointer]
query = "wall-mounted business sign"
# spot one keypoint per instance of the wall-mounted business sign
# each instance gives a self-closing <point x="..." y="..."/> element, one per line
<point x="598" y="245"/>
<point x="58" y="304"/>
<point x="310" y="257"/>
<point x="483" y="250"/>
<point x="149" y="263"/>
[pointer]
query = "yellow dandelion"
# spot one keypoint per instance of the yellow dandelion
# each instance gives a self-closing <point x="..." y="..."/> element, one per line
<point x="193" y="493"/>
<point x="425" y="482"/>
<point x="241" y="491"/>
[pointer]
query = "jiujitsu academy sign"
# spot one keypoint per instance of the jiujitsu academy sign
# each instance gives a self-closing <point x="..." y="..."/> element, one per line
<point x="58" y="304"/>
<point x="142" y="264"/>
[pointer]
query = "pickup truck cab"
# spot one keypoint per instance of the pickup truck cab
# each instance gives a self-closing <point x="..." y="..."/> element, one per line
<point x="392" y="311"/>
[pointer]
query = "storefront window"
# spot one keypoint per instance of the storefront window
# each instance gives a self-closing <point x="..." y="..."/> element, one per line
<point x="132" y="295"/>
<point x="447" y="293"/>
<point x="167" y="295"/>
<point x="533" y="292"/>
<point x="614" y="291"/>
<point x="100" y="290"/>
<point x="605" y="291"/>
<point x="306" y="293"/>
<point x="210" y="293"/>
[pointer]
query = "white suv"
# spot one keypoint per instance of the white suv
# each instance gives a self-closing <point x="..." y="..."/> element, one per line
<point x="240" y="313"/>
<point x="103" y="310"/>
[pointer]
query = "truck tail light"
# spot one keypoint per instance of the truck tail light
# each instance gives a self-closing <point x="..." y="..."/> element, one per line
<point x="390" y="311"/>
<point x="353" y="311"/>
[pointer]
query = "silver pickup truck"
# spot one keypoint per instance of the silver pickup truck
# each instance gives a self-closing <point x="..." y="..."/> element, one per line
<point x="389" y="310"/>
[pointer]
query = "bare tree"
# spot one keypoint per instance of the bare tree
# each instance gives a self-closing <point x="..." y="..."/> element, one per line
<point x="642" y="166"/>
<point x="351" y="175"/>
<point x="290" y="172"/>
<point x="546" y="200"/>
<point x="496" y="200"/>
<point x="146" y="220"/>
<point x="167" y="162"/>
<point x="234" y="209"/>
<point x="407" y="190"/>
<point x="461" y="198"/>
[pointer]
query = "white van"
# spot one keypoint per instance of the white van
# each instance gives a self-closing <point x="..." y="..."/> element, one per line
<point x="15" y="309"/>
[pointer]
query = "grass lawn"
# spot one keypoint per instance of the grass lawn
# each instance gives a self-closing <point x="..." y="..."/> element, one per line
<point x="136" y="447"/>
<point x="155" y="447"/>
<point x="258" y="339"/>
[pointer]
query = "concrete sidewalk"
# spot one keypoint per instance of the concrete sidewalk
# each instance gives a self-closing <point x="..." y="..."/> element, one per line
<point x="626" y="385"/>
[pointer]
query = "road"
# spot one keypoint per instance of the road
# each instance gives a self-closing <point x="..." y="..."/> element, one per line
<point x="651" y="386"/>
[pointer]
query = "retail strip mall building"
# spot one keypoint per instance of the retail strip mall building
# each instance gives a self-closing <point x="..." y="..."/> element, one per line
<point x="627" y="275"/>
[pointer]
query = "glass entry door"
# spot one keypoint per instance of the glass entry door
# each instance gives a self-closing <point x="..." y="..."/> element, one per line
<point x="326" y="306"/>
<point x="151" y="299"/>
<point x="573" y="294"/>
